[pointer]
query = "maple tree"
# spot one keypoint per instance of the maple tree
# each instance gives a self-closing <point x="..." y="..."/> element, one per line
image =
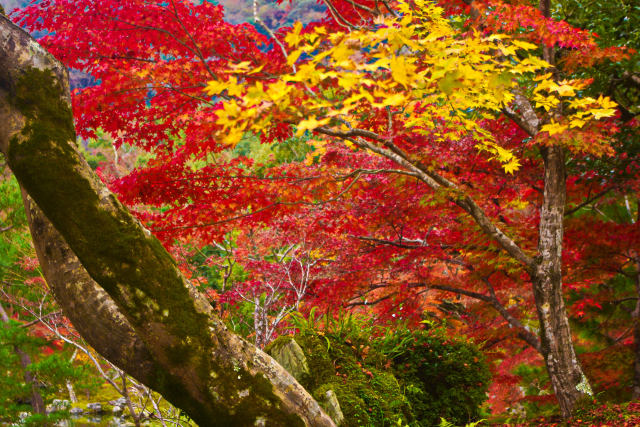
<point x="437" y="152"/>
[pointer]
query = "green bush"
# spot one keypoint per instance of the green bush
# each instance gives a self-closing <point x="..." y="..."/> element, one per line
<point x="441" y="377"/>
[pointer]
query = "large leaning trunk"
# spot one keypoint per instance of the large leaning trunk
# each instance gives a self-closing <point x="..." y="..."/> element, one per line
<point x="91" y="310"/>
<point x="569" y="382"/>
<point x="182" y="349"/>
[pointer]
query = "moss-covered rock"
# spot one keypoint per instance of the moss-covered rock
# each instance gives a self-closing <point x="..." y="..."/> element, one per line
<point x="367" y="395"/>
<point x="288" y="353"/>
<point x="388" y="375"/>
<point x="330" y="404"/>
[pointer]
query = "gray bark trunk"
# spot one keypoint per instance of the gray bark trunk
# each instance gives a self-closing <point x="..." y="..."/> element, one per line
<point x="186" y="352"/>
<point x="567" y="378"/>
<point x="635" y="318"/>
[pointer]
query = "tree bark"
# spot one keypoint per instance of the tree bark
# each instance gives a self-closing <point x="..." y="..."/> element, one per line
<point x="91" y="310"/>
<point x="569" y="382"/>
<point x="635" y="318"/>
<point x="187" y="353"/>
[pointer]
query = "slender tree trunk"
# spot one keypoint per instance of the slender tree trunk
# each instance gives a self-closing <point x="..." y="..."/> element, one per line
<point x="72" y="393"/>
<point x="556" y="346"/>
<point x="260" y="322"/>
<point x="569" y="382"/>
<point x="635" y="318"/>
<point x="193" y="360"/>
<point x="635" y="314"/>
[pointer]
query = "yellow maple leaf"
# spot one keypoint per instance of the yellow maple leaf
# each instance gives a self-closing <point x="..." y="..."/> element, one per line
<point x="511" y="166"/>
<point x="256" y="70"/>
<point x="233" y="88"/>
<point x="607" y="102"/>
<point x="278" y="90"/>
<point x="577" y="123"/>
<point x="233" y="136"/>
<point x="543" y="77"/>
<point x="602" y="112"/>
<point x="553" y="128"/>
<point x="399" y="70"/>
<point x="565" y="90"/>
<point x="341" y="55"/>
<point x="507" y="50"/>
<point x="494" y="37"/>
<point x="392" y="100"/>
<point x="215" y="87"/>
<point x="293" y="57"/>
<point x="348" y="81"/>
<point x="256" y="91"/>
<point x="523" y="45"/>
<point x="293" y="38"/>
<point x="310" y="124"/>
<point x="388" y="99"/>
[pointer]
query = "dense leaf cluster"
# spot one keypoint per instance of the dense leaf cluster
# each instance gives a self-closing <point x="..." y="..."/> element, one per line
<point x="442" y="377"/>
<point x="384" y="184"/>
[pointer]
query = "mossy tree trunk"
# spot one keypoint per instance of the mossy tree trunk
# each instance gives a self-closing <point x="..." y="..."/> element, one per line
<point x="175" y="343"/>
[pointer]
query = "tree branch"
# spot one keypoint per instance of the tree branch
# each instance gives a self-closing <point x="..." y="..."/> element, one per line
<point x="436" y="182"/>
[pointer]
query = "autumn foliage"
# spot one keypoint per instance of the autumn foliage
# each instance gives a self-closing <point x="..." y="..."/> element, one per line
<point x="351" y="162"/>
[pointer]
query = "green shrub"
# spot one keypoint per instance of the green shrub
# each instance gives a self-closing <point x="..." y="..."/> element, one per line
<point x="442" y="377"/>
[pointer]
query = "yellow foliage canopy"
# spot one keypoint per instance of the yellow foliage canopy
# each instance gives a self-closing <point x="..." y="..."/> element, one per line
<point x="416" y="69"/>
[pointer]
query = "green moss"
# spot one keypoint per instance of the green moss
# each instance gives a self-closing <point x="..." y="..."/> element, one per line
<point x="39" y="97"/>
<point x="389" y="375"/>
<point x="261" y="395"/>
<point x="57" y="177"/>
<point x="368" y="396"/>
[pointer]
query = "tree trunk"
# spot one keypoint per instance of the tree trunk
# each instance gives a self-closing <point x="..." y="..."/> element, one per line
<point x="186" y="352"/>
<point x="569" y="382"/>
<point x="635" y="318"/>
